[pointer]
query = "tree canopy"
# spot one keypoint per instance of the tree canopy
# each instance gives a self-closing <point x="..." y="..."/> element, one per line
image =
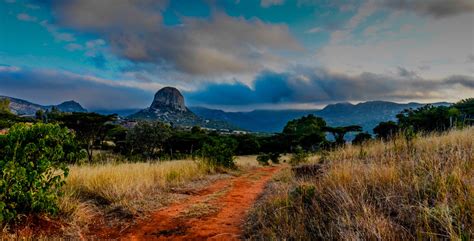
<point x="307" y="131"/>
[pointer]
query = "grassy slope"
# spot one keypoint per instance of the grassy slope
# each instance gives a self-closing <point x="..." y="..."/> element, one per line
<point x="383" y="191"/>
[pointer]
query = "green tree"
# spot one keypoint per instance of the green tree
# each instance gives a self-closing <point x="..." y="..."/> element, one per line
<point x="386" y="130"/>
<point x="341" y="131"/>
<point x="247" y="144"/>
<point x="466" y="109"/>
<point x="40" y="116"/>
<point x="4" y="105"/>
<point x="427" y="118"/>
<point x="361" y="138"/>
<point x="148" y="138"/>
<point x="32" y="168"/>
<point x="306" y="131"/>
<point x="219" y="152"/>
<point x="89" y="128"/>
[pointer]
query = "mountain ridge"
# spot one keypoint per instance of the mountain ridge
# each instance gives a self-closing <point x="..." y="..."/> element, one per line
<point x="366" y="114"/>
<point x="24" y="107"/>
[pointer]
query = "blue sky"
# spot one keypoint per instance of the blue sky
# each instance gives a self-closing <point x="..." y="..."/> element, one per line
<point x="237" y="54"/>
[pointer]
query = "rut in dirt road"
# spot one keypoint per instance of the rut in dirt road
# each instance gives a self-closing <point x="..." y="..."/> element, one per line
<point x="216" y="213"/>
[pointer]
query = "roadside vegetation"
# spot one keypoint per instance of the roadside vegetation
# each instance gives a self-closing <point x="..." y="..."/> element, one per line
<point x="386" y="190"/>
<point x="412" y="179"/>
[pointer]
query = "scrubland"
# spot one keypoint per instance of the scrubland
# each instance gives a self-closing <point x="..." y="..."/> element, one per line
<point x="394" y="190"/>
<point x="114" y="192"/>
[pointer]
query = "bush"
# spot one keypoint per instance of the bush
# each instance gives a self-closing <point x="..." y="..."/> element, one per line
<point x="263" y="159"/>
<point x="218" y="153"/>
<point x="32" y="168"/>
<point x="275" y="157"/>
<point x="299" y="156"/>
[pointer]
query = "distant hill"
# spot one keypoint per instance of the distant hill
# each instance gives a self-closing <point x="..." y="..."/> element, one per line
<point x="366" y="114"/>
<point x="23" y="107"/>
<point x="168" y="106"/>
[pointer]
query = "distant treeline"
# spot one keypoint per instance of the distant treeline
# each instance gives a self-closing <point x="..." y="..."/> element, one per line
<point x="156" y="140"/>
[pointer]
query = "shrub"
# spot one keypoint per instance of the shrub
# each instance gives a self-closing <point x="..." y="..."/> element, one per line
<point x="299" y="156"/>
<point x="263" y="159"/>
<point x="32" y="167"/>
<point x="275" y="157"/>
<point x="218" y="153"/>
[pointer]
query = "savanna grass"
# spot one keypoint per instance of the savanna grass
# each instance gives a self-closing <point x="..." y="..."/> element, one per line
<point x="383" y="190"/>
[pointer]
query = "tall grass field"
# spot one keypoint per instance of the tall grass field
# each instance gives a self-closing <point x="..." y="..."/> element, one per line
<point x="379" y="191"/>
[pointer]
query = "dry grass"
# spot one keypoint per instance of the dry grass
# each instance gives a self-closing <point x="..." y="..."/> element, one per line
<point x="118" y="190"/>
<point x="387" y="191"/>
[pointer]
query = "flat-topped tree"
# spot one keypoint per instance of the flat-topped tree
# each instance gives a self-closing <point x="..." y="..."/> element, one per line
<point x="87" y="126"/>
<point x="340" y="131"/>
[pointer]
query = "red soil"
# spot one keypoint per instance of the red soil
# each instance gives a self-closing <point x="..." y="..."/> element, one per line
<point x="225" y="203"/>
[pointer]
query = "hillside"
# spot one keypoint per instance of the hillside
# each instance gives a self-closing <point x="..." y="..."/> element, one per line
<point x="366" y="114"/>
<point x="23" y="107"/>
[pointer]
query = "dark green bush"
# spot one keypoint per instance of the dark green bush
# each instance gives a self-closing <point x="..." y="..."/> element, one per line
<point x="263" y="159"/>
<point x="32" y="168"/>
<point x="218" y="152"/>
<point x="275" y="157"/>
<point x="299" y="156"/>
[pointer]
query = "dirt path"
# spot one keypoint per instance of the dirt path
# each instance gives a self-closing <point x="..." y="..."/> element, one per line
<point x="215" y="213"/>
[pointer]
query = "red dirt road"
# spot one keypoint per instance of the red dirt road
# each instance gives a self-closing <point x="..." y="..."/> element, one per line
<point x="216" y="213"/>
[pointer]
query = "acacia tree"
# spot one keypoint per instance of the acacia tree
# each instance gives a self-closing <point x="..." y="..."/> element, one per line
<point x="386" y="130"/>
<point x="306" y="131"/>
<point x="466" y="109"/>
<point x="87" y="126"/>
<point x="148" y="138"/>
<point x="340" y="131"/>
<point x="361" y="138"/>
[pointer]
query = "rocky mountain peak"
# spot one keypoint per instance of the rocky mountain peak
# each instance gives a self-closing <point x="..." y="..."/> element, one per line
<point x="168" y="98"/>
<point x="71" y="106"/>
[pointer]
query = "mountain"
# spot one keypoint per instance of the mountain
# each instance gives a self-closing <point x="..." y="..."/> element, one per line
<point x="169" y="106"/>
<point x="71" y="106"/>
<point x="23" y="107"/>
<point x="366" y="114"/>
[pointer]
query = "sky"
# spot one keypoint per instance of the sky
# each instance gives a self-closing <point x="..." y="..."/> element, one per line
<point x="237" y="54"/>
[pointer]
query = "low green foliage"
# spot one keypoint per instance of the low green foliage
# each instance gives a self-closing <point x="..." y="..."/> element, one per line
<point x="263" y="159"/>
<point x="218" y="152"/>
<point x="275" y="157"/>
<point x="33" y="164"/>
<point x="5" y="105"/>
<point x="299" y="156"/>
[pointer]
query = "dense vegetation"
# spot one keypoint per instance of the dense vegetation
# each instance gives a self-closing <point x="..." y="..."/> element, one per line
<point x="32" y="168"/>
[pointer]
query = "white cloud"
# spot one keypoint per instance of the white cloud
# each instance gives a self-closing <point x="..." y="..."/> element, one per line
<point x="58" y="35"/>
<point x="269" y="3"/>
<point x="315" y="30"/>
<point x="25" y="17"/>
<point x="74" y="47"/>
<point x="439" y="45"/>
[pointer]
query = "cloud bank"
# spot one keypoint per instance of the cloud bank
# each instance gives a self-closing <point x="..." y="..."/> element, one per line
<point x="316" y="85"/>
<point x="200" y="46"/>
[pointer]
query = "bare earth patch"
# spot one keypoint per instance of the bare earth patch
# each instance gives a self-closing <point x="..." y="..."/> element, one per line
<point x="216" y="212"/>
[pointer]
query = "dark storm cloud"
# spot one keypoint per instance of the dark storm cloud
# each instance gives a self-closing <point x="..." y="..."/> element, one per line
<point x="435" y="8"/>
<point x="465" y="81"/>
<point x="216" y="45"/>
<point x="403" y="72"/>
<point x="321" y="86"/>
<point x="52" y="87"/>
